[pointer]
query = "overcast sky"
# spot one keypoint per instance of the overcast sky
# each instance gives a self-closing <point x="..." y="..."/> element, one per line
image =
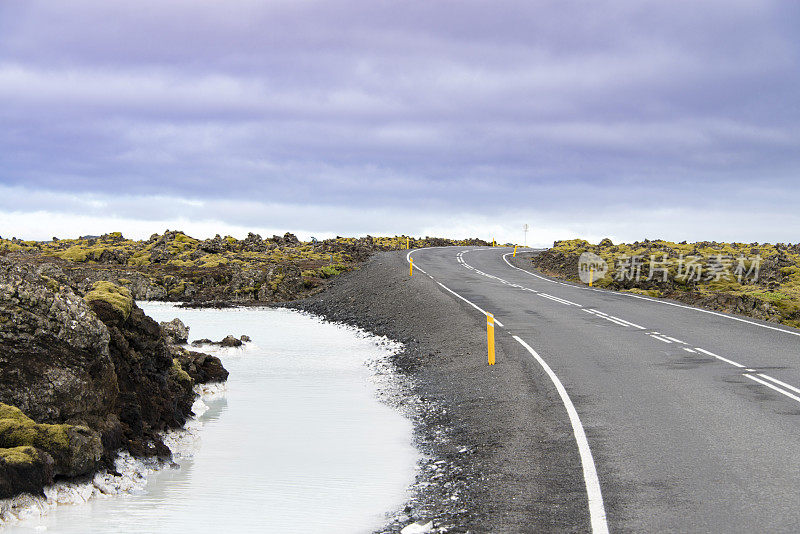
<point x="628" y="119"/>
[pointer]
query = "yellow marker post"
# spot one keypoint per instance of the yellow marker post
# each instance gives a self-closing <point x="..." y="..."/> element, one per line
<point x="407" y="243"/>
<point x="490" y="336"/>
<point x="515" y="251"/>
<point x="591" y="276"/>
<point x="410" y="266"/>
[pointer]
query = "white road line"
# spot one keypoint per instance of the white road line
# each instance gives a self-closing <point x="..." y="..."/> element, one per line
<point x="687" y="349"/>
<point x="726" y="360"/>
<point x="606" y="317"/>
<point x="597" y="511"/>
<point x="631" y="295"/>
<point x="498" y="323"/>
<point x="773" y="386"/>
<point x="676" y="340"/>
<point x="556" y="299"/>
<point x="618" y="319"/>
<point x="628" y="322"/>
<point x="617" y="322"/>
<point x="665" y="340"/>
<point x="784" y="384"/>
<point x="565" y="301"/>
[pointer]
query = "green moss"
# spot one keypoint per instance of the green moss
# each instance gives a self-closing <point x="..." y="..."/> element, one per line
<point x="118" y="297"/>
<point x="14" y="414"/>
<point x="213" y="260"/>
<point x="180" y="263"/>
<point x="16" y="456"/>
<point x="178" y="289"/>
<point x="52" y="285"/>
<point x="179" y="374"/>
<point x="76" y="253"/>
<point x="276" y="281"/>
<point x="51" y="438"/>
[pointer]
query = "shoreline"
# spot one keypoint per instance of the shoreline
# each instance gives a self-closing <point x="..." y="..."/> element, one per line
<point x="132" y="472"/>
<point x="481" y="430"/>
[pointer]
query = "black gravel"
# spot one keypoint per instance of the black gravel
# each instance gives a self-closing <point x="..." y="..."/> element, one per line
<point x="491" y="436"/>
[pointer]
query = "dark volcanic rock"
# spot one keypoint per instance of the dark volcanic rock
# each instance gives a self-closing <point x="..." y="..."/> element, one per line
<point x="230" y="341"/>
<point x="55" y="363"/>
<point x="202" y="368"/>
<point x="175" y="331"/>
<point x="82" y="377"/>
<point x="24" y="469"/>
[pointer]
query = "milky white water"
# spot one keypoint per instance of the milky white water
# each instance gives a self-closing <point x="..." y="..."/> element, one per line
<point x="299" y="443"/>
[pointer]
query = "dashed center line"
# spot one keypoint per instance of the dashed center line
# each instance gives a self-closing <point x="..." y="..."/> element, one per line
<point x="774" y="384"/>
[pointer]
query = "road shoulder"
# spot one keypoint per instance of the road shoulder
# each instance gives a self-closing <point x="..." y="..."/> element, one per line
<point x="507" y="461"/>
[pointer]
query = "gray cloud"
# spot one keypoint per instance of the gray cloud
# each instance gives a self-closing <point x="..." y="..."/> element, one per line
<point x="550" y="107"/>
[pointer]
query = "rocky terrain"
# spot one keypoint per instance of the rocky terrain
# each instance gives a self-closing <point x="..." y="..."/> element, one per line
<point x="176" y="267"/>
<point x="84" y="374"/>
<point x="757" y="280"/>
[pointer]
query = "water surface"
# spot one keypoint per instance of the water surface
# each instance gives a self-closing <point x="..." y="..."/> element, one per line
<point x="299" y="443"/>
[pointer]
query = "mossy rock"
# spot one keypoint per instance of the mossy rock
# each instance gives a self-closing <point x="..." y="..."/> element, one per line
<point x="14" y="414"/>
<point x="119" y="298"/>
<point x="76" y="450"/>
<point x="181" y="376"/>
<point x="24" y="455"/>
<point x="24" y="469"/>
<point x="76" y="253"/>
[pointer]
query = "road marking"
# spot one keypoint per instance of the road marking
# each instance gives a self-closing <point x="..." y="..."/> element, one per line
<point x="558" y="299"/>
<point x="606" y="317"/>
<point x="498" y="323"/>
<point x="618" y="319"/>
<point x="726" y="360"/>
<point x="597" y="511"/>
<point x="773" y="386"/>
<point x="676" y="340"/>
<point x="630" y="295"/>
<point x="665" y="340"/>
<point x="784" y="384"/>
<point x="687" y="349"/>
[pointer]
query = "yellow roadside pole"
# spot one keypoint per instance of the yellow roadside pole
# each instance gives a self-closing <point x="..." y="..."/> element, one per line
<point x="490" y="336"/>
<point x="410" y="266"/>
<point x="407" y="243"/>
<point x="515" y="251"/>
<point x="494" y="243"/>
<point x="591" y="276"/>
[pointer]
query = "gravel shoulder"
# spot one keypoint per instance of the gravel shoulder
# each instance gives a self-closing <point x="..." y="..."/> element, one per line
<point x="499" y="452"/>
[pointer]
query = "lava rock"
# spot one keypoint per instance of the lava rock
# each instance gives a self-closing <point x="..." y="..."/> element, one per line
<point x="175" y="331"/>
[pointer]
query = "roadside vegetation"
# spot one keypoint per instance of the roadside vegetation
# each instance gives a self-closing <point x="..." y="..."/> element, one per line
<point x="176" y="266"/>
<point x="758" y="280"/>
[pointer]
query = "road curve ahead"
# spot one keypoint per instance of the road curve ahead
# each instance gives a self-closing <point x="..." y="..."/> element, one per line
<point x="685" y="420"/>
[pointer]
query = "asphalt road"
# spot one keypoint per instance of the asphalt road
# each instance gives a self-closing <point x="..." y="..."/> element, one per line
<point x="691" y="418"/>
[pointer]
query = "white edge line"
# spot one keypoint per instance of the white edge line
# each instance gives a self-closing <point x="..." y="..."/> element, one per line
<point x="784" y="384"/>
<point x="726" y="360"/>
<point x="773" y="386"/>
<point x="711" y="312"/>
<point x="597" y="511"/>
<point x="498" y="323"/>
<point x="676" y="340"/>
<point x="661" y="338"/>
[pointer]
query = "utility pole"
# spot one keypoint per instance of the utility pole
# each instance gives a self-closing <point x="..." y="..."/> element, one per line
<point x="525" y="229"/>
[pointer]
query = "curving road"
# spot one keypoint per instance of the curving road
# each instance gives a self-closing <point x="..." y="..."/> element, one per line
<point x="684" y="420"/>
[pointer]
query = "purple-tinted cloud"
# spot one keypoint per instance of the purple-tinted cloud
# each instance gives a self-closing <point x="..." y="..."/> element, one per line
<point x="450" y="105"/>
